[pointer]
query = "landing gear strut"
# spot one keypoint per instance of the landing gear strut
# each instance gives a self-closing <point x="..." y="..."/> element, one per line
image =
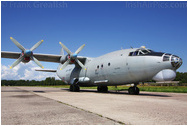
<point x="102" y="89"/>
<point x="134" y="90"/>
<point x="74" y="88"/>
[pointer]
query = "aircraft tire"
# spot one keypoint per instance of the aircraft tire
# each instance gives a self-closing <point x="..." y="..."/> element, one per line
<point x="137" y="91"/>
<point x="133" y="90"/>
<point x="71" y="87"/>
<point x="102" y="89"/>
<point x="76" y="88"/>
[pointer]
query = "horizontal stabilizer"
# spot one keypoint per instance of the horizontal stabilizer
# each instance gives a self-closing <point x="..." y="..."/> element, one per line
<point x="46" y="70"/>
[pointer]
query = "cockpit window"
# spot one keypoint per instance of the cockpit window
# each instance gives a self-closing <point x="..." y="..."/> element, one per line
<point x="145" y="52"/>
<point x="140" y="52"/>
<point x="166" y="57"/>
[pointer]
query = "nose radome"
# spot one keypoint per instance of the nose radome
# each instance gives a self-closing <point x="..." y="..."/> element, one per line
<point x="165" y="75"/>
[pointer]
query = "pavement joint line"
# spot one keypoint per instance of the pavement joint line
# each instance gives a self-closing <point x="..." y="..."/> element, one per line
<point x="121" y="123"/>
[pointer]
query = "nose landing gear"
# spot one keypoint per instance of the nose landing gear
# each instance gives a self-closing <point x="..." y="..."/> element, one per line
<point x="74" y="88"/>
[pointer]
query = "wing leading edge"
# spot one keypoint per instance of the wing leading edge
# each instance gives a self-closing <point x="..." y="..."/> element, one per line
<point x="40" y="57"/>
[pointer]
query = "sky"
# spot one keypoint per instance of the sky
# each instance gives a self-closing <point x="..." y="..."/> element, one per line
<point x="103" y="26"/>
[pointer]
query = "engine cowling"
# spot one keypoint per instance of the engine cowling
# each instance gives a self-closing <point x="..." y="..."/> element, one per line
<point x="63" y="59"/>
<point x="26" y="59"/>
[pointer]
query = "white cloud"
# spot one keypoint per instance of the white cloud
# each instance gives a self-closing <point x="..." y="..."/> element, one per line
<point x="24" y="72"/>
<point x="7" y="73"/>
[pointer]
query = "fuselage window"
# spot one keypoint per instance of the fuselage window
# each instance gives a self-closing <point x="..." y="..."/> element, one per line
<point x="98" y="67"/>
<point x="102" y="66"/>
<point x="108" y="64"/>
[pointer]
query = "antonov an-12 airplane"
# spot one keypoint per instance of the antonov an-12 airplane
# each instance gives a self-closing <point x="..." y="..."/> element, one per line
<point x="126" y="66"/>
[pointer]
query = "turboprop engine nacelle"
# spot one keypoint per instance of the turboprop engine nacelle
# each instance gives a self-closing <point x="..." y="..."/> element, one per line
<point x="63" y="59"/>
<point x="26" y="60"/>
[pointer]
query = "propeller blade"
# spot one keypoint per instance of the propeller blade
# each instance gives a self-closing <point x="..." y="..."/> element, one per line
<point x="73" y="56"/>
<point x="17" y="44"/>
<point x="65" y="64"/>
<point x="79" y="49"/>
<point x="17" y="62"/>
<point x="36" y="45"/>
<point x="62" y="52"/>
<point x="37" y="62"/>
<point x="65" y="48"/>
<point x="81" y="65"/>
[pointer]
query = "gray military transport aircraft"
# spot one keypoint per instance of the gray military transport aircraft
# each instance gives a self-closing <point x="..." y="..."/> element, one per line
<point x="116" y="68"/>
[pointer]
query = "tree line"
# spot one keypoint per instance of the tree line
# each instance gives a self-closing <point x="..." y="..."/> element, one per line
<point x="181" y="77"/>
<point x="51" y="81"/>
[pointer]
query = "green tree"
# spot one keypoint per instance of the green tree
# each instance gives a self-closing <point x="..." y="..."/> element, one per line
<point x="182" y="77"/>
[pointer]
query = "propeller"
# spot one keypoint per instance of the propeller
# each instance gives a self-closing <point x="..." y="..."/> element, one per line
<point x="26" y="54"/>
<point x="72" y="57"/>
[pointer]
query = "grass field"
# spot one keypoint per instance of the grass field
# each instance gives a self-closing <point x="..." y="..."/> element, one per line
<point x="174" y="89"/>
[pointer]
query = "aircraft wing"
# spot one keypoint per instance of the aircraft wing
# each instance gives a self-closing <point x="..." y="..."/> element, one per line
<point x="48" y="57"/>
<point x="12" y="55"/>
<point x="40" y="57"/>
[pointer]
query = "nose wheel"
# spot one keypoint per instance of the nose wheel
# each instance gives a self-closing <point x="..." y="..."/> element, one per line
<point x="74" y="88"/>
<point x="133" y="90"/>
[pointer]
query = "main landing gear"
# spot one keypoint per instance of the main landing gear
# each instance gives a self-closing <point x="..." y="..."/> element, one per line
<point x="102" y="89"/>
<point x="74" y="88"/>
<point x="134" y="90"/>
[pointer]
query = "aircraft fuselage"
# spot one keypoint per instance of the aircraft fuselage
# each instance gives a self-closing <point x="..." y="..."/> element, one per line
<point x="120" y="68"/>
